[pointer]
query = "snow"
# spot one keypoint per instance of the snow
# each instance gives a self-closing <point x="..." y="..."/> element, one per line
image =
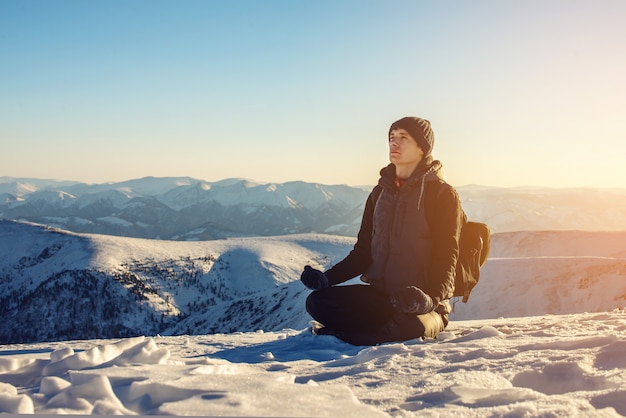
<point x="551" y="365"/>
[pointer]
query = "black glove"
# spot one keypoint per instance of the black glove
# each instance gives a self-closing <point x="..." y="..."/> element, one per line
<point x="411" y="300"/>
<point x="313" y="278"/>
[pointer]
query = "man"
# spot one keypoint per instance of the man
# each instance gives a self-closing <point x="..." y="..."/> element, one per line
<point x="406" y="251"/>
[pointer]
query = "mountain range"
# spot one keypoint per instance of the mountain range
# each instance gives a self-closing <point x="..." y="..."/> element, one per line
<point x="188" y="209"/>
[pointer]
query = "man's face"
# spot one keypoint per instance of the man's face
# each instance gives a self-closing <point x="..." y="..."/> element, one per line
<point x="403" y="149"/>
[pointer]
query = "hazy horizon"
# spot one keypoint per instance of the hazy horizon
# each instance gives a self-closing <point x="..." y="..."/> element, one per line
<point x="263" y="182"/>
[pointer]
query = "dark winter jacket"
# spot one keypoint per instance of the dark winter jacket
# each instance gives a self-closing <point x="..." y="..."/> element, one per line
<point x="409" y="236"/>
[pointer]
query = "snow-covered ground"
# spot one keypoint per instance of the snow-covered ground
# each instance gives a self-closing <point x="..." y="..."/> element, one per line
<point x="548" y="366"/>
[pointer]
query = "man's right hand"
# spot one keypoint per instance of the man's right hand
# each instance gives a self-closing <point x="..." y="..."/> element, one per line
<point x="411" y="300"/>
<point x="313" y="278"/>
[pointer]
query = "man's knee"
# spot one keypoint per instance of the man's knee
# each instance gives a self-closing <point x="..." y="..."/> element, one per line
<point x="432" y="324"/>
<point x="312" y="303"/>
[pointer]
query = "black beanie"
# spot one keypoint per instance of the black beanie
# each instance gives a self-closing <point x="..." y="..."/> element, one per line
<point x="419" y="129"/>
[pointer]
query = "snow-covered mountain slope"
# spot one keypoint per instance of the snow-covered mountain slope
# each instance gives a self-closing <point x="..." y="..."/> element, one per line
<point x="182" y="208"/>
<point x="559" y="243"/>
<point x="62" y="285"/>
<point x="536" y="208"/>
<point x="549" y="272"/>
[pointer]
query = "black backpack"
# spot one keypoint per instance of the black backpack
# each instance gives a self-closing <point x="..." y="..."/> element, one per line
<point x="474" y="245"/>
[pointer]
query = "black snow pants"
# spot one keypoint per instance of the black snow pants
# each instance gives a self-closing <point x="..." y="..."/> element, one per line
<point x="363" y="315"/>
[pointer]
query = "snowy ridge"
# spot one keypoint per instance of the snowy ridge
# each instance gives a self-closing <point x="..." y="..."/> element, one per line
<point x="182" y="208"/>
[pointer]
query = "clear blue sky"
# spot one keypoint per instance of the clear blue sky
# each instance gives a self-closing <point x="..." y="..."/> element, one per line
<point x="528" y="92"/>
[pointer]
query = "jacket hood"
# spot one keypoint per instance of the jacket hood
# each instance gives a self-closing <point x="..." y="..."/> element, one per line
<point x="429" y="171"/>
<point x="423" y="172"/>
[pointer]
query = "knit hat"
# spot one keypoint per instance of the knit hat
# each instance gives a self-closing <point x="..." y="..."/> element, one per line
<point x="419" y="129"/>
